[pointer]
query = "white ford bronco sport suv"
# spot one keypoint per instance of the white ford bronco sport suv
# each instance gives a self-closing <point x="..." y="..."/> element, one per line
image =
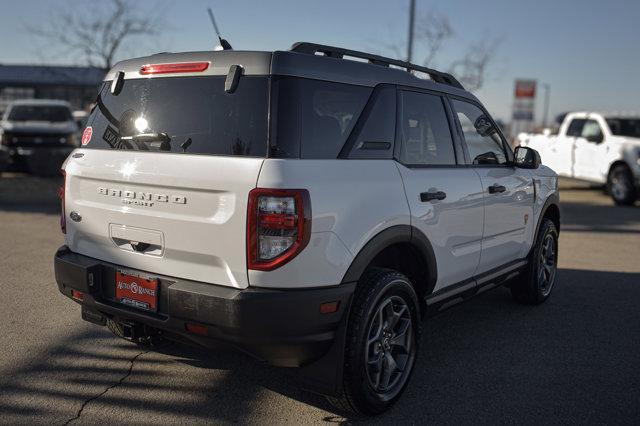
<point x="309" y="207"/>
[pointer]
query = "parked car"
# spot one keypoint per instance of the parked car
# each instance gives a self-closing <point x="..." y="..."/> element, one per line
<point x="598" y="148"/>
<point x="307" y="208"/>
<point x="37" y="135"/>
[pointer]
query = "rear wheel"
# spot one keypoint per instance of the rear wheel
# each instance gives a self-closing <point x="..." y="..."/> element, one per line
<point x="534" y="285"/>
<point x="620" y="185"/>
<point x="381" y="345"/>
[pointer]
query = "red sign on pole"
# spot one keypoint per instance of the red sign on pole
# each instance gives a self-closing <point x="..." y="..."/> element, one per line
<point x="525" y="89"/>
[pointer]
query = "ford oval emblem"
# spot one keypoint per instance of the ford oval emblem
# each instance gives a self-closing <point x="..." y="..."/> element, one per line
<point x="75" y="216"/>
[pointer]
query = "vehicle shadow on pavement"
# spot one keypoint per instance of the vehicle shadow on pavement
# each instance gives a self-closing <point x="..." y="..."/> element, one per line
<point x="583" y="217"/>
<point x="96" y="377"/>
<point x="488" y="360"/>
<point x="29" y="194"/>
<point x="491" y="360"/>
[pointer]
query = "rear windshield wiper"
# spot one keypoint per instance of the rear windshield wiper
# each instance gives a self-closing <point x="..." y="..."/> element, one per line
<point x="144" y="141"/>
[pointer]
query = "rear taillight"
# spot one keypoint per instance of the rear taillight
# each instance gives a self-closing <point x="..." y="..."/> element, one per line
<point x="61" y="192"/>
<point x="278" y="226"/>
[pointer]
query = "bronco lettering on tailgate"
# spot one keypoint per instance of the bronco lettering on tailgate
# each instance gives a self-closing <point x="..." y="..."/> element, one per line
<point x="139" y="198"/>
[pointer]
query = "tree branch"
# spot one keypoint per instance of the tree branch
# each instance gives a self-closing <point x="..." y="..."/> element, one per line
<point x="97" y="37"/>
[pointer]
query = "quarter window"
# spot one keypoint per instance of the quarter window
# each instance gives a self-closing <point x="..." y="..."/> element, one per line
<point x="375" y="137"/>
<point x="315" y="118"/>
<point x="426" y="137"/>
<point x="483" y="141"/>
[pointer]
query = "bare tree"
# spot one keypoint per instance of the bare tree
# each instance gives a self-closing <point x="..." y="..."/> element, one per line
<point x="95" y="34"/>
<point x="433" y="31"/>
<point x="471" y="70"/>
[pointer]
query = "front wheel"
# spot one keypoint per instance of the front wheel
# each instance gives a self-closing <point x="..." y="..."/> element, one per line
<point x="382" y="343"/>
<point x="620" y="186"/>
<point x="534" y="285"/>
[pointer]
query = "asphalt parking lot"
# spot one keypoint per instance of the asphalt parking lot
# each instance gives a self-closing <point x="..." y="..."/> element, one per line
<point x="573" y="360"/>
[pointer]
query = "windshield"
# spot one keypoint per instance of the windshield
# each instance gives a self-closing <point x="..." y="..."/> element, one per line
<point x="52" y="113"/>
<point x="629" y="127"/>
<point x="189" y="114"/>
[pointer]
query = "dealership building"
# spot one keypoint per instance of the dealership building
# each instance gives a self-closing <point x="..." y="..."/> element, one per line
<point x="77" y="85"/>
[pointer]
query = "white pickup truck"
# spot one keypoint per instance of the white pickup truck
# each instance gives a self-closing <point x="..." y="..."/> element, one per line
<point x="596" y="148"/>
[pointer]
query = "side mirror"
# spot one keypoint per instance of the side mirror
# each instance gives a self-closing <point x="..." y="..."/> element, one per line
<point x="526" y="158"/>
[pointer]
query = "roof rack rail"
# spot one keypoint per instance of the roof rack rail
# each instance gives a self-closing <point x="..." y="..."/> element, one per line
<point x="339" y="53"/>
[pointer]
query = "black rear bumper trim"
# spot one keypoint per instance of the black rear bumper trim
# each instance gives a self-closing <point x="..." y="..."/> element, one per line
<point x="281" y="327"/>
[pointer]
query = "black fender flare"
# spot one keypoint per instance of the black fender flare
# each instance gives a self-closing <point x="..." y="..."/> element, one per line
<point x="552" y="199"/>
<point x="388" y="237"/>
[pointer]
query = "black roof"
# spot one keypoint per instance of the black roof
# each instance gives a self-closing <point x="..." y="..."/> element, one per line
<point x="50" y="75"/>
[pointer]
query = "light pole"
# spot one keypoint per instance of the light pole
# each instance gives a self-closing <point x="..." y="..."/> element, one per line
<point x="547" y="90"/>
<point x="412" y="18"/>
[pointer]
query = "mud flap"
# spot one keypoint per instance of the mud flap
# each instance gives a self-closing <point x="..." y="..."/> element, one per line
<point x="325" y="376"/>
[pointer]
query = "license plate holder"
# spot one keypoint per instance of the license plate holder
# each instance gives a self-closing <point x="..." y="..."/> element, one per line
<point x="137" y="291"/>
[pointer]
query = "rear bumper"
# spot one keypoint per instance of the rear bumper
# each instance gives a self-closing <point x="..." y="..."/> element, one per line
<point x="281" y="327"/>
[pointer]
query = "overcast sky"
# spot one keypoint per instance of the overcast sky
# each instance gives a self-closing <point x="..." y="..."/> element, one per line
<point x="588" y="51"/>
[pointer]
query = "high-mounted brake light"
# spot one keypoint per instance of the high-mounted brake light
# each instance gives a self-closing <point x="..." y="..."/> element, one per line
<point x="61" y="194"/>
<point x="278" y="226"/>
<point x="173" y="68"/>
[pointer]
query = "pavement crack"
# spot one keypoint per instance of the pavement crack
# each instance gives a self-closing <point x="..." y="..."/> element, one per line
<point x="118" y="383"/>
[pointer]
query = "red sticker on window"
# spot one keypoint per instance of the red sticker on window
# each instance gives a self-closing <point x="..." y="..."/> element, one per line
<point x="86" y="135"/>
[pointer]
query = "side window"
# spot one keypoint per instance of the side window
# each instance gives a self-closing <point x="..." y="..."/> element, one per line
<point x="575" y="127"/>
<point x="424" y="127"/>
<point x="483" y="140"/>
<point x="592" y="131"/>
<point x="374" y="138"/>
<point x="315" y="118"/>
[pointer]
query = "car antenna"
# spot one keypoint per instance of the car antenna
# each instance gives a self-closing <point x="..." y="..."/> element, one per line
<point x="224" y="43"/>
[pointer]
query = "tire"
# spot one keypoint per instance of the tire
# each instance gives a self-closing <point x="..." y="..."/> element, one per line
<point x="620" y="186"/>
<point x="371" y="383"/>
<point x="535" y="284"/>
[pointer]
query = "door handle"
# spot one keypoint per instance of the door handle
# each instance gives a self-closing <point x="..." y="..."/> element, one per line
<point x="494" y="189"/>
<point x="430" y="196"/>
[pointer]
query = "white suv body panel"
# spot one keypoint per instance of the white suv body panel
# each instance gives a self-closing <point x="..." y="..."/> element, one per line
<point x="453" y="225"/>
<point x="509" y="223"/>
<point x="199" y="236"/>
<point x="351" y="202"/>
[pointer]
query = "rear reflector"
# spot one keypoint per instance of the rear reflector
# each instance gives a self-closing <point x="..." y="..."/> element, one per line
<point x="329" y="307"/>
<point x="173" y="68"/>
<point x="77" y="295"/>
<point x="196" y="329"/>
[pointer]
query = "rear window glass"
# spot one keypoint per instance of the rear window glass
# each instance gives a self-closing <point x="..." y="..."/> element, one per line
<point x="195" y="113"/>
<point x="629" y="127"/>
<point x="315" y="118"/>
<point x="52" y="113"/>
